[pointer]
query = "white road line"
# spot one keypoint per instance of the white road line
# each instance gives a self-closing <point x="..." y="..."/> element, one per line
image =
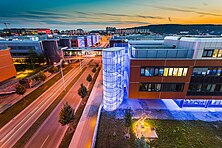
<point x="48" y="99"/>
<point x="44" y="141"/>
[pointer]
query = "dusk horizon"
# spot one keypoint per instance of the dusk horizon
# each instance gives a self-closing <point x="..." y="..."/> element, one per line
<point x="98" y="14"/>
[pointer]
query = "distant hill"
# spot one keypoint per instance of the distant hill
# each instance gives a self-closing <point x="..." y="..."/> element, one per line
<point x="184" y="29"/>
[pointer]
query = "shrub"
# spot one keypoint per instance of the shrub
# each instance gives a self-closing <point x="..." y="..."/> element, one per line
<point x="94" y="70"/>
<point x="53" y="69"/>
<point x="20" y="89"/>
<point x="41" y="76"/>
<point x="89" y="78"/>
<point x="82" y="91"/>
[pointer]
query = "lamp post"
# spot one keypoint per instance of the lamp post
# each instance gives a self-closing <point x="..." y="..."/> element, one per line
<point x="63" y="80"/>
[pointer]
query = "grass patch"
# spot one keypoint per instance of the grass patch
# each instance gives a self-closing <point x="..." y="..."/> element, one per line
<point x="69" y="134"/>
<point x="171" y="133"/>
<point x="15" y="109"/>
<point x="23" y="70"/>
<point x="27" y="136"/>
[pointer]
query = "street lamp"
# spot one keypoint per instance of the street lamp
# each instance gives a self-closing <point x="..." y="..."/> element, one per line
<point x="60" y="63"/>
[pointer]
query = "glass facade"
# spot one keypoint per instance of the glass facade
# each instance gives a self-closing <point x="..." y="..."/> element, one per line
<point x="164" y="87"/>
<point x="161" y="71"/>
<point x="113" y="77"/>
<point x="207" y="71"/>
<point x="198" y="103"/>
<point x="215" y="53"/>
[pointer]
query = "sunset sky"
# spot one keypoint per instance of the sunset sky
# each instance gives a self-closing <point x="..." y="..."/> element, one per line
<point x="97" y="14"/>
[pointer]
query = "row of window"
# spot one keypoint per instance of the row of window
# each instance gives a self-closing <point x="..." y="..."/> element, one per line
<point x="210" y="71"/>
<point x="198" y="87"/>
<point x="22" y="47"/>
<point x="165" y="87"/>
<point x="215" y="53"/>
<point x="160" y="71"/>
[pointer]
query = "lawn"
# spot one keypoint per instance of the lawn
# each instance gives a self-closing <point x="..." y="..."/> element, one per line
<point x="23" y="70"/>
<point x="15" y="109"/>
<point x="171" y="133"/>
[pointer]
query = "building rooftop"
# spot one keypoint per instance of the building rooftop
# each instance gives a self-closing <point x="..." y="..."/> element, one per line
<point x="113" y="49"/>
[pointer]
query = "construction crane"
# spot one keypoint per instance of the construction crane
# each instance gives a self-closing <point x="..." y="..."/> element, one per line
<point x="6" y="24"/>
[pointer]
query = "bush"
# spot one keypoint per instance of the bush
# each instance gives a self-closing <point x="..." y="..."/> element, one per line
<point x="53" y="69"/>
<point x="41" y="76"/>
<point x="20" y="89"/>
<point x="97" y="64"/>
<point x="82" y="91"/>
<point x="94" y="70"/>
<point x="89" y="78"/>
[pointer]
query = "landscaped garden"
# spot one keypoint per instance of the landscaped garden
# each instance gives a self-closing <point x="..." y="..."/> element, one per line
<point x="171" y="133"/>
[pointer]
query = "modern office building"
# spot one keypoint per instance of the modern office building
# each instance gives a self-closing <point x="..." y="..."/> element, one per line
<point x="185" y="69"/>
<point x="52" y="51"/>
<point x="21" y="48"/>
<point x="77" y="42"/>
<point x="88" y="41"/>
<point x="7" y="67"/>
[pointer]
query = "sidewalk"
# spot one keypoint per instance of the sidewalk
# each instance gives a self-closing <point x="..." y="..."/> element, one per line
<point x="83" y="135"/>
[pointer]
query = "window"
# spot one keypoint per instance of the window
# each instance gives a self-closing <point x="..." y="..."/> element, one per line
<point x="159" y="71"/>
<point x="180" y="71"/>
<point x="207" y="53"/>
<point x="175" y="72"/>
<point x="142" y="71"/>
<point x="156" y="87"/>
<point x="205" y="89"/>
<point x="215" y="53"/>
<point x="166" y="71"/>
<point x="185" y="71"/>
<point x="220" y="54"/>
<point x="211" y="71"/>
<point x="170" y="72"/>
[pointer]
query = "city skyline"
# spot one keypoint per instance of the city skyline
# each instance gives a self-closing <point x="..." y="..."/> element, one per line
<point x="98" y="14"/>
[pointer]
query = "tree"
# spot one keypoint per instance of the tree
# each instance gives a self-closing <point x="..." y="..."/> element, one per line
<point x="41" y="76"/>
<point x="89" y="78"/>
<point x="94" y="70"/>
<point x="97" y="65"/>
<point x="41" y="59"/>
<point x="53" y="69"/>
<point x="128" y="117"/>
<point x="141" y="142"/>
<point x="66" y="115"/>
<point x="20" y="89"/>
<point x="82" y="91"/>
<point x="32" y="58"/>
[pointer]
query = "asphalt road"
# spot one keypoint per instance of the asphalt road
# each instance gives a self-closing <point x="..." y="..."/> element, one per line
<point x="14" y="130"/>
<point x="51" y="131"/>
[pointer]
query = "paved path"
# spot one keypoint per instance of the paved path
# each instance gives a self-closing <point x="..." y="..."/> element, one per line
<point x="51" y="132"/>
<point x="14" y="130"/>
<point x="83" y="135"/>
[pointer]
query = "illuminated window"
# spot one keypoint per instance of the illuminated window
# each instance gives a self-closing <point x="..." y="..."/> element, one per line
<point x="185" y="71"/>
<point x="175" y="72"/>
<point x="165" y="71"/>
<point x="170" y="72"/>
<point x="215" y="53"/>
<point x="220" y="54"/>
<point x="180" y="71"/>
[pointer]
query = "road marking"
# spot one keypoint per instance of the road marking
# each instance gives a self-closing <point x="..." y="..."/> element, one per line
<point x="44" y="141"/>
<point x="36" y="109"/>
